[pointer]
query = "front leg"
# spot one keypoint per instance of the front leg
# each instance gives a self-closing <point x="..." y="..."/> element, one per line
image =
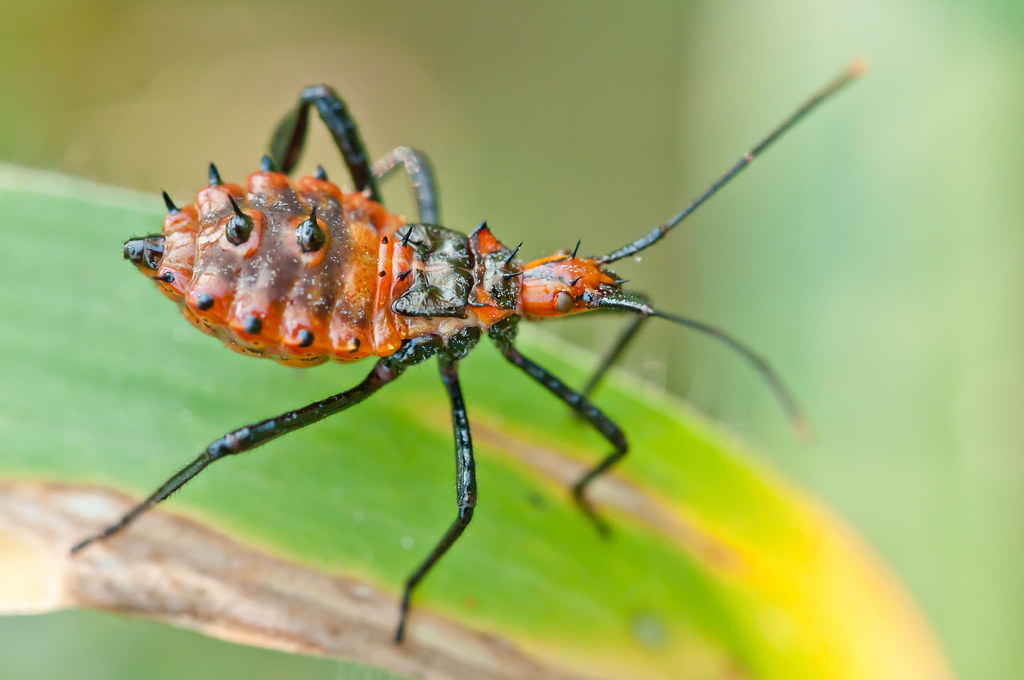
<point x="590" y="413"/>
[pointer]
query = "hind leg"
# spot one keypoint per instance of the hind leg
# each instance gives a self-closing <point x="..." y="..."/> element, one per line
<point x="290" y="135"/>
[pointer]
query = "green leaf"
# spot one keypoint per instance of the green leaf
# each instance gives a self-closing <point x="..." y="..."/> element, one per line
<point x="716" y="568"/>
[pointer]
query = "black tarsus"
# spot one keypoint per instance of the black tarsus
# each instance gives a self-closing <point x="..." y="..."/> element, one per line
<point x="421" y="179"/>
<point x="465" y="485"/>
<point x="588" y="412"/>
<point x="290" y="135"/>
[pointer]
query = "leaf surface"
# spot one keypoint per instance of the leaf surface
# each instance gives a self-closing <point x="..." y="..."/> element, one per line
<point x="717" y="568"/>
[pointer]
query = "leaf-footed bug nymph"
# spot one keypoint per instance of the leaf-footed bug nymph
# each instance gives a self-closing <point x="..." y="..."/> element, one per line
<point x="302" y="272"/>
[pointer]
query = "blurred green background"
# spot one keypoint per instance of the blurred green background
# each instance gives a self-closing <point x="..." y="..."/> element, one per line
<point x="873" y="255"/>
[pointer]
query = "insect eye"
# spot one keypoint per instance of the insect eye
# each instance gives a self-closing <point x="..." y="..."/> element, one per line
<point x="564" y="302"/>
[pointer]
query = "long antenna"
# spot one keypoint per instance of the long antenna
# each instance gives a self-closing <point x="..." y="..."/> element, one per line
<point x="856" y="68"/>
<point x="797" y="421"/>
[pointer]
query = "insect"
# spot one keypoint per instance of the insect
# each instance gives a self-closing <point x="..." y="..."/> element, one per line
<point x="301" y="272"/>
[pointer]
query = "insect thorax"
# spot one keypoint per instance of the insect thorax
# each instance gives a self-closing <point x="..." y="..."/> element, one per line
<point x="460" y="282"/>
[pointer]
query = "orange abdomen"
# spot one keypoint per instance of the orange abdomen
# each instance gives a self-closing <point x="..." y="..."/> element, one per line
<point x="253" y="280"/>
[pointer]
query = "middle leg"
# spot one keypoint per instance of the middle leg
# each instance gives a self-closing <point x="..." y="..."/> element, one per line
<point x="465" y="486"/>
<point x="421" y="179"/>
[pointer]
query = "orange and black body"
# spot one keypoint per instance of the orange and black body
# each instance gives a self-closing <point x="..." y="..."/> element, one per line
<point x="302" y="272"/>
<point x="362" y="285"/>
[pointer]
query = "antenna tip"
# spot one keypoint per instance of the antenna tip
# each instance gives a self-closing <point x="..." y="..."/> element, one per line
<point x="857" y="67"/>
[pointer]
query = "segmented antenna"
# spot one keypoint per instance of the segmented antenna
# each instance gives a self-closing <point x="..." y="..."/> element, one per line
<point x="801" y="426"/>
<point x="856" y="68"/>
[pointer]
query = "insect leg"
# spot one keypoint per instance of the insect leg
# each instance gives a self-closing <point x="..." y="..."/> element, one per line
<point x="421" y="179"/>
<point x="465" y="486"/>
<point x="590" y="413"/>
<point x="290" y="134"/>
<point x="613" y="354"/>
<point x="249" y="437"/>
